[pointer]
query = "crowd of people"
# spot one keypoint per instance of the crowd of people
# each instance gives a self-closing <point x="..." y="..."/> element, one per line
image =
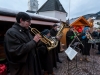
<point x="29" y="55"/>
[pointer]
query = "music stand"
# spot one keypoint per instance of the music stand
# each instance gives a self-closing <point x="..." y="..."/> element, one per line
<point x="74" y="46"/>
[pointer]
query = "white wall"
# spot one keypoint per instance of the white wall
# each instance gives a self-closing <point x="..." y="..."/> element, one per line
<point x="60" y="15"/>
<point x="55" y="14"/>
<point x="47" y="13"/>
<point x="95" y="23"/>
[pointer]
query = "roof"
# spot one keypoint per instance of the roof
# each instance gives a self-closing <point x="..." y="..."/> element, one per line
<point x="13" y="13"/>
<point x="9" y="15"/>
<point x="80" y="21"/>
<point x="51" y="5"/>
<point x="30" y="11"/>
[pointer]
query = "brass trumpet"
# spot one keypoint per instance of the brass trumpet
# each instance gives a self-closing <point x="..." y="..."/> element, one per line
<point x="49" y="43"/>
<point x="88" y="35"/>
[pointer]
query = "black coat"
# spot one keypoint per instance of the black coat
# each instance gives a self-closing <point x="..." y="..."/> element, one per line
<point x="56" y="50"/>
<point x="95" y="34"/>
<point x="54" y="33"/>
<point x="21" y="52"/>
<point x="69" y="34"/>
<point x="46" y="57"/>
<point x="43" y="52"/>
<point x="87" y="46"/>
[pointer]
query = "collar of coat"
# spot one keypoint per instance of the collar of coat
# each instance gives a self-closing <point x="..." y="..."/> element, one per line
<point x="20" y="28"/>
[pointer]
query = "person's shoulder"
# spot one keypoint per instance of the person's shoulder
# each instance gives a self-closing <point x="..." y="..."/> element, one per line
<point x="8" y="32"/>
<point x="51" y="30"/>
<point x="11" y="30"/>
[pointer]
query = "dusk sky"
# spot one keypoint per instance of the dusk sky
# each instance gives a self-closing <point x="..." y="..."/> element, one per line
<point x="75" y="8"/>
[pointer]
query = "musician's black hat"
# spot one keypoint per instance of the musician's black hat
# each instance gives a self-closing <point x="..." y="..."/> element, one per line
<point x="55" y="25"/>
<point x="45" y="32"/>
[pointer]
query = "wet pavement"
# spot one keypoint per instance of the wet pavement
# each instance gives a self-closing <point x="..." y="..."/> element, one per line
<point x="77" y="67"/>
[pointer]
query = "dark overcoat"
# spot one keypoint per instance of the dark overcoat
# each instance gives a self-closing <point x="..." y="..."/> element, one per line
<point x="43" y="53"/>
<point x="53" y="33"/>
<point x="46" y="57"/>
<point x="86" y="49"/>
<point x="21" y="52"/>
<point x="69" y="34"/>
<point x="56" y="50"/>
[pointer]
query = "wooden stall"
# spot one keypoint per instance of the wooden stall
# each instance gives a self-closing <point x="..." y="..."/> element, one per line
<point x="63" y="39"/>
<point x="80" y="21"/>
<point x="8" y="18"/>
<point x="76" y="22"/>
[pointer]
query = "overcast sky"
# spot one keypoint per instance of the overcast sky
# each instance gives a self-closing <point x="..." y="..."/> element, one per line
<point x="75" y="8"/>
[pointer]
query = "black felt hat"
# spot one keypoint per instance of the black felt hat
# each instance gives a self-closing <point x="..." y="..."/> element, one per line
<point x="55" y="25"/>
<point x="45" y="32"/>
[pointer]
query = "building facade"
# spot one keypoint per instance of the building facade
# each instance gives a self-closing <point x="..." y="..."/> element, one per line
<point x="53" y="8"/>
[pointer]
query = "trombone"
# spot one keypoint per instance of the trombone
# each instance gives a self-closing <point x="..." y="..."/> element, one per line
<point x="77" y="37"/>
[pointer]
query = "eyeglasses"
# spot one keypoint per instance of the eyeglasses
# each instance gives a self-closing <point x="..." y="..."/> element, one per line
<point x="28" y="21"/>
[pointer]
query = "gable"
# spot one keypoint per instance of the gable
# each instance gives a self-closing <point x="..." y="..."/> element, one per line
<point x="81" y="21"/>
<point x="52" y="5"/>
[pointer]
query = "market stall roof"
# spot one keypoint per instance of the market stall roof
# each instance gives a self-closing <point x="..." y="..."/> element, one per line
<point x="10" y="16"/>
<point x="80" y="21"/>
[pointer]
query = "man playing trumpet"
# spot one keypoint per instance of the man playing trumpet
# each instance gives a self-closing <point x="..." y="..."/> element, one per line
<point x="20" y="48"/>
<point x="85" y="36"/>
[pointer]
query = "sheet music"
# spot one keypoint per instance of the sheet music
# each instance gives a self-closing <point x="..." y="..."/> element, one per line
<point x="71" y="53"/>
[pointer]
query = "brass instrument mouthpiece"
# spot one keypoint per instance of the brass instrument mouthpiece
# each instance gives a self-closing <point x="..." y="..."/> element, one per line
<point x="30" y="27"/>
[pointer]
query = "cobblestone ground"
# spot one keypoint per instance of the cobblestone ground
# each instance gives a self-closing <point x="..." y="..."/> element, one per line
<point x="77" y="67"/>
